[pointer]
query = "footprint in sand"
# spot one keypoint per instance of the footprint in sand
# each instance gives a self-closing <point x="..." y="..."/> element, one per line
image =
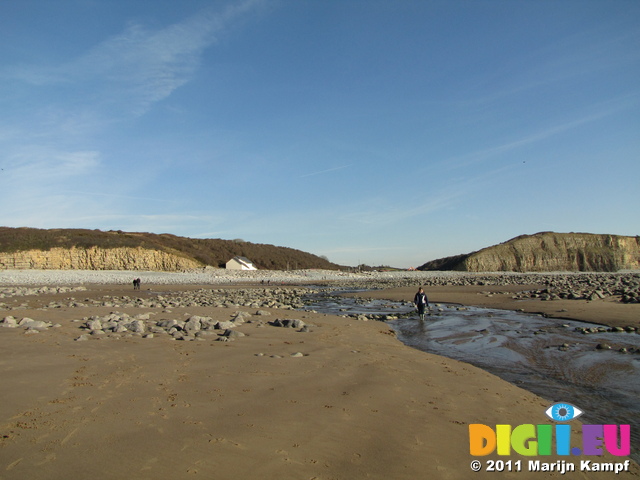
<point x="225" y="441"/>
<point x="13" y="464"/>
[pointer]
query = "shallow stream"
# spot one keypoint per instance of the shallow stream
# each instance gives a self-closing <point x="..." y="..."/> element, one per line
<point x="546" y="356"/>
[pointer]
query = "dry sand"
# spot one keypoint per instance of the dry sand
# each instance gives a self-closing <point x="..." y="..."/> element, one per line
<point x="358" y="404"/>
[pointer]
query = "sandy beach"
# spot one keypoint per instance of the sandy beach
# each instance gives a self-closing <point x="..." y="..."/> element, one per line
<point x="342" y="399"/>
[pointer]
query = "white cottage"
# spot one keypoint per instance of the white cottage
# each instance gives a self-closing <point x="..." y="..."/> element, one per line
<point x="240" y="263"/>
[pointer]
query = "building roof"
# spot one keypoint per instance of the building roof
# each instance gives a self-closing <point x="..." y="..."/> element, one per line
<point x="244" y="261"/>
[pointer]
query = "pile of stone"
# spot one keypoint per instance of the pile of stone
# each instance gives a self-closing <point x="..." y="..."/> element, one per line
<point x="195" y="327"/>
<point x="606" y="346"/>
<point x="626" y="288"/>
<point x="28" y="324"/>
<point x="590" y="286"/>
<point x="9" y="292"/>
<point x="287" y="298"/>
<point x="290" y="323"/>
<point x="627" y="329"/>
<point x="625" y="285"/>
<point x="283" y="298"/>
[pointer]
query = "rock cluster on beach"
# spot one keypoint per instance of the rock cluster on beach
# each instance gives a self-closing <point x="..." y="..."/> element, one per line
<point x="195" y="327"/>
<point x="623" y="287"/>
<point x="589" y="287"/>
<point x="8" y="292"/>
<point x="29" y="324"/>
<point x="570" y="286"/>
<point x="585" y="286"/>
<point x="286" y="298"/>
<point x="368" y="280"/>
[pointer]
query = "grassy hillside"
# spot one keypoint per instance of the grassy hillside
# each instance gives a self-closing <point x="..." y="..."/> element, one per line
<point x="213" y="252"/>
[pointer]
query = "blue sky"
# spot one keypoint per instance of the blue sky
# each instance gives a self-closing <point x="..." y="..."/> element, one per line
<point x="369" y="131"/>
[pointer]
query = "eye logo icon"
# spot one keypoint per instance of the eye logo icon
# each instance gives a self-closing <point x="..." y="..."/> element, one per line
<point x="563" y="412"/>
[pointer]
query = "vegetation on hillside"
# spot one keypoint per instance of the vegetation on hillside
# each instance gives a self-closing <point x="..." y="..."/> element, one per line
<point x="213" y="252"/>
<point x="445" y="264"/>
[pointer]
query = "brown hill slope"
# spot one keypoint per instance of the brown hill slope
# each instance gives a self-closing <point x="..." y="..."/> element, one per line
<point x="549" y="251"/>
<point x="113" y="250"/>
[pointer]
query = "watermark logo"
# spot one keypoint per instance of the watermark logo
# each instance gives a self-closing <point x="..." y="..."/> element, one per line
<point x="550" y="439"/>
<point x="533" y="440"/>
<point x="563" y="412"/>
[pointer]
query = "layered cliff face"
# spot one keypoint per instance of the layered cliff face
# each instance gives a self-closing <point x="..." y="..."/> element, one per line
<point x="548" y="252"/>
<point x="95" y="258"/>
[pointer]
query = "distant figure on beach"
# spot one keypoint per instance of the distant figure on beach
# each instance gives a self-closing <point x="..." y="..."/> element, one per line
<point x="136" y="284"/>
<point x="422" y="303"/>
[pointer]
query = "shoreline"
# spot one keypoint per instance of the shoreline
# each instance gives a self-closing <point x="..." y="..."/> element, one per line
<point x="603" y="312"/>
<point x="343" y="399"/>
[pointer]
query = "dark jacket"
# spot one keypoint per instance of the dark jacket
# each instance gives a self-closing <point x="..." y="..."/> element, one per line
<point x="421" y="299"/>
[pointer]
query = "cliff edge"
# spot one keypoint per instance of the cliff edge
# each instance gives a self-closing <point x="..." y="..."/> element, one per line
<point x="549" y="252"/>
<point x="95" y="258"/>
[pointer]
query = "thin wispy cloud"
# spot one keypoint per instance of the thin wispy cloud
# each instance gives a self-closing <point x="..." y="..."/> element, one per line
<point x="384" y="213"/>
<point x="139" y="66"/>
<point x="325" y="171"/>
<point x="577" y="56"/>
<point x="601" y="111"/>
<point x="40" y="165"/>
<point x="169" y="219"/>
<point x="115" y="195"/>
<point x="48" y="144"/>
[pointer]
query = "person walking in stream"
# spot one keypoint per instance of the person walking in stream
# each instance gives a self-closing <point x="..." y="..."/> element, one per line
<point x="422" y="303"/>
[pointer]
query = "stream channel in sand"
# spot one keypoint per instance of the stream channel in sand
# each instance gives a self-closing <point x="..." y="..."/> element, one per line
<point x="546" y="356"/>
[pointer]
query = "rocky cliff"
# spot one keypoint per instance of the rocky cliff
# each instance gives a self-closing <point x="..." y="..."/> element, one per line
<point x="95" y="258"/>
<point x="548" y="252"/>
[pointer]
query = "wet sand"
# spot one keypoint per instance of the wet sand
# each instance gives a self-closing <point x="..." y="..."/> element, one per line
<point x="605" y="312"/>
<point x="356" y="404"/>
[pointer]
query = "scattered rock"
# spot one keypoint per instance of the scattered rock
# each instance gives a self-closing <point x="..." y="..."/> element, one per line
<point x="33" y="324"/>
<point x="225" y="325"/>
<point x="9" y="322"/>
<point x="233" y="334"/>
<point x="287" y="323"/>
<point x="166" y="324"/>
<point x="94" y="325"/>
<point x="193" y="325"/>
